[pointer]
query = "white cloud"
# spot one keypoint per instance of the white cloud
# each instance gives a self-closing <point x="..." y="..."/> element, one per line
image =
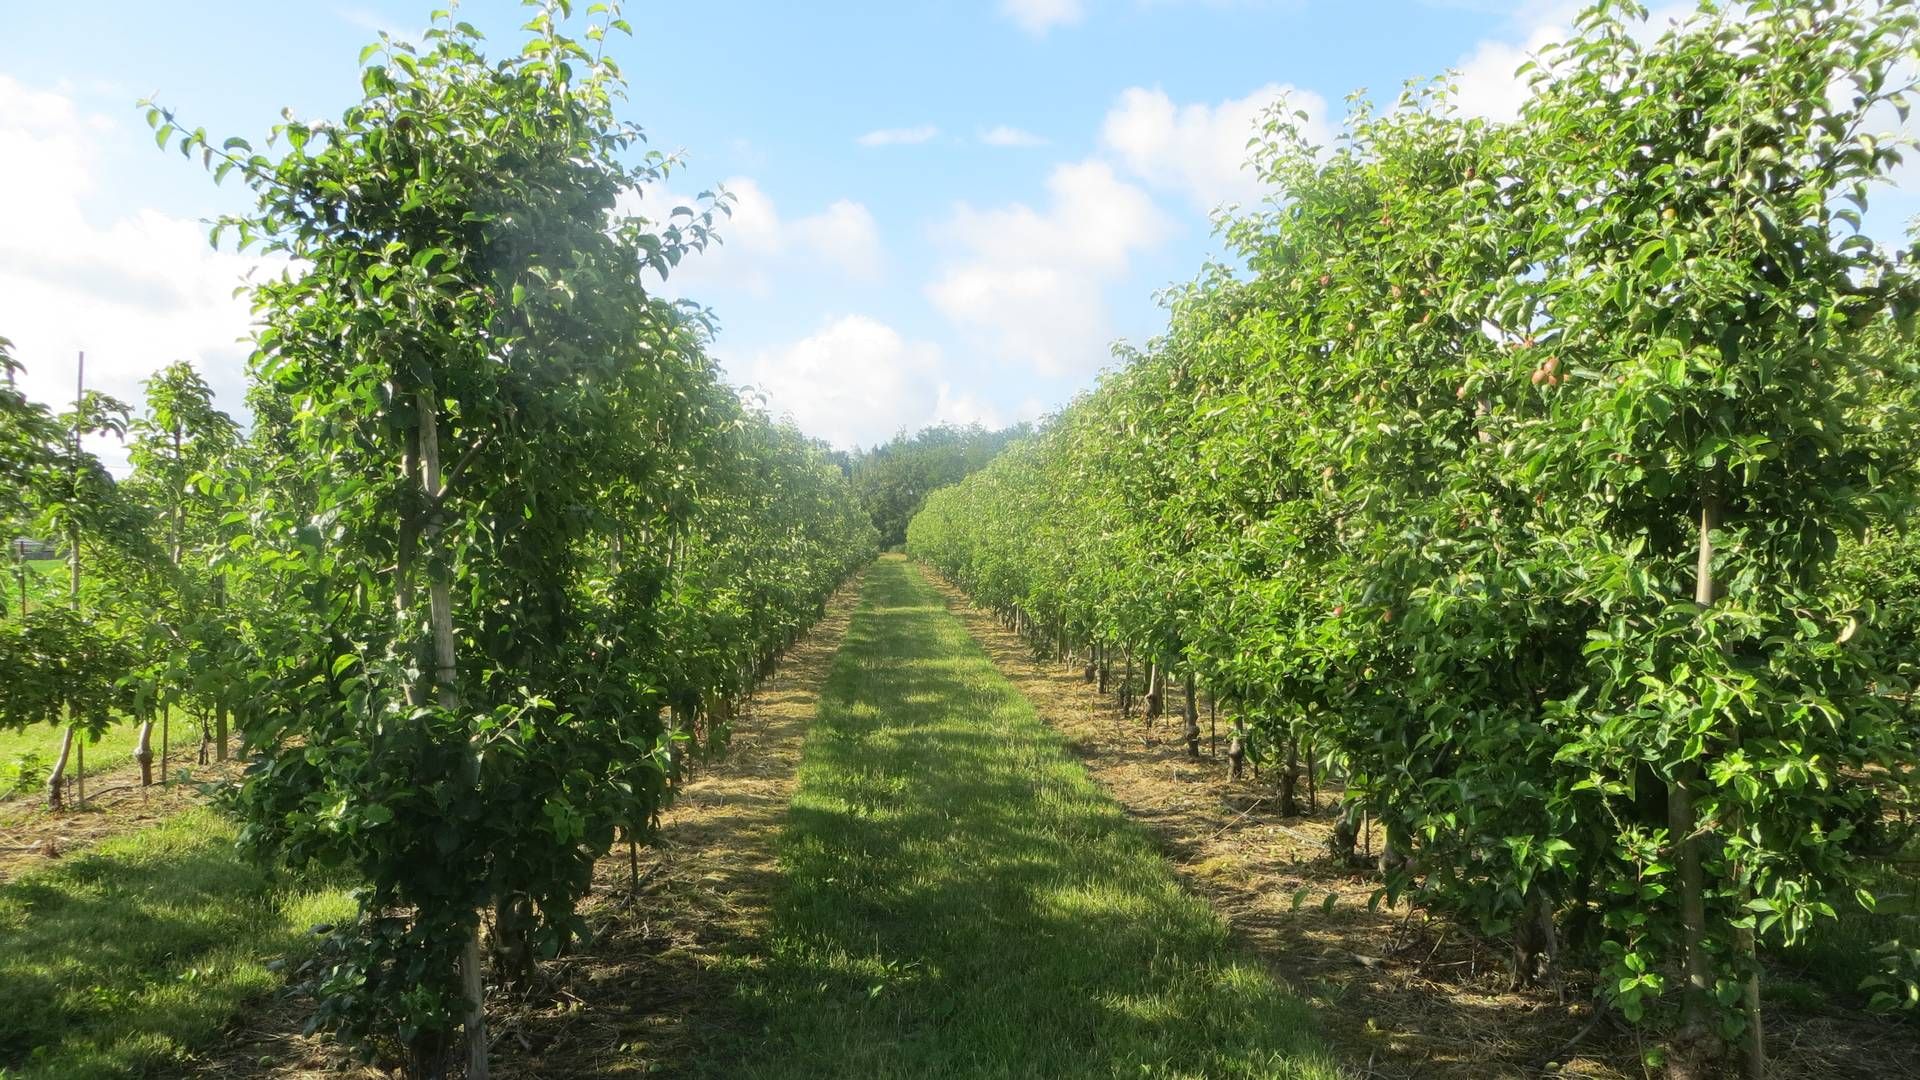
<point x="377" y="24"/>
<point x="1011" y="136"/>
<point x="906" y="136"/>
<point x="1037" y="17"/>
<point x="1199" y="150"/>
<point x="843" y="235"/>
<point x="856" y="382"/>
<point x="1486" y="80"/>
<point x="757" y="244"/>
<point x="1028" y="283"/>
<point x="1486" y="77"/>
<point x="135" y="288"/>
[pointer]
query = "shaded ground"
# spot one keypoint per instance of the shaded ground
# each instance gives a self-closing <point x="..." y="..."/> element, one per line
<point x="959" y="899"/>
<point x="658" y="979"/>
<point x="117" y="959"/>
<point x="1401" y="995"/>
<point x="33" y="836"/>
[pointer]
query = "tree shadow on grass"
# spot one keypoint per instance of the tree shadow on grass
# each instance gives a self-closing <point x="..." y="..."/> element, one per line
<point x="130" y="955"/>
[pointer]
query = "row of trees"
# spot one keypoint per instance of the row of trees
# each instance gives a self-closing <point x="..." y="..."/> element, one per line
<point x="895" y="478"/>
<point x="1548" y="475"/>
<point x="501" y="551"/>
<point x="125" y="636"/>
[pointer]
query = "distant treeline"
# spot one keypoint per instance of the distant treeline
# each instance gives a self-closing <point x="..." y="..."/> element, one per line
<point x="894" y="478"/>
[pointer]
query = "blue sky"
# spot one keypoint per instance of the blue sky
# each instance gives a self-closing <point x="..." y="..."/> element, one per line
<point x="947" y="211"/>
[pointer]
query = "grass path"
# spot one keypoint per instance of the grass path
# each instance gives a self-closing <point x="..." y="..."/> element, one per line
<point x="960" y="900"/>
<point x="133" y="954"/>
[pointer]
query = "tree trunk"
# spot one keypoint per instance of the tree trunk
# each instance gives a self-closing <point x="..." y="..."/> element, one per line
<point x="54" y="794"/>
<point x="220" y="705"/>
<point x="1237" y="749"/>
<point x="1156" y="692"/>
<point x="1126" y="688"/>
<point x="1192" y="712"/>
<point x="1289" y="780"/>
<point x="440" y="618"/>
<point x="1100" y="667"/>
<point x="166" y="740"/>
<point x="1394" y="849"/>
<point x="513" y="926"/>
<point x="1313" y="794"/>
<point x="143" y="751"/>
<point x="1345" y="841"/>
<point x="59" y="774"/>
<point x="1536" y="947"/>
<point x="1695" y="1042"/>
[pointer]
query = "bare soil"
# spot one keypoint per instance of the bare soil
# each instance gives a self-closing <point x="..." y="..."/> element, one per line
<point x="1401" y="993"/>
<point x="656" y="980"/>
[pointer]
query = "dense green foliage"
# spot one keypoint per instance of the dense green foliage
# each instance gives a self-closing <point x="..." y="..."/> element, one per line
<point x="1542" y="472"/>
<point x="894" y="478"/>
<point x="501" y="551"/>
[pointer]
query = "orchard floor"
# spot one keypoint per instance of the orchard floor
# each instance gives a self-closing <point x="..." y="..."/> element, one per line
<point x="926" y="854"/>
<point x="938" y="890"/>
<point x="1399" y="994"/>
<point x="958" y="899"/>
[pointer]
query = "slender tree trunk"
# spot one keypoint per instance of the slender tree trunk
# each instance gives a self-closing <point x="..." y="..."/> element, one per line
<point x="1290" y="779"/>
<point x="1695" y="1039"/>
<point x="1345" y="841"/>
<point x="1191" y="710"/>
<point x="166" y="739"/>
<point x="1156" y="692"/>
<point x="1395" y="848"/>
<point x="1126" y="688"/>
<point x="73" y="531"/>
<point x="1237" y="748"/>
<point x="1536" y="945"/>
<point x="143" y="751"/>
<point x="59" y="773"/>
<point x="219" y="703"/>
<point x="1756" y="1035"/>
<point x="54" y="795"/>
<point x="440" y="618"/>
<point x="633" y="865"/>
<point x="1213" y="728"/>
<point x="1313" y="795"/>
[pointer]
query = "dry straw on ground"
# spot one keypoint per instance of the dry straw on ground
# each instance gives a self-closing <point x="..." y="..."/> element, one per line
<point x="1401" y="994"/>
<point x="649" y="989"/>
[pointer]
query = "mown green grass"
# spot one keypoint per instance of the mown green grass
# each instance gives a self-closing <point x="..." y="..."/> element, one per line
<point x="46" y="580"/>
<point x="28" y="753"/>
<point x="960" y="900"/>
<point x="130" y="955"/>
